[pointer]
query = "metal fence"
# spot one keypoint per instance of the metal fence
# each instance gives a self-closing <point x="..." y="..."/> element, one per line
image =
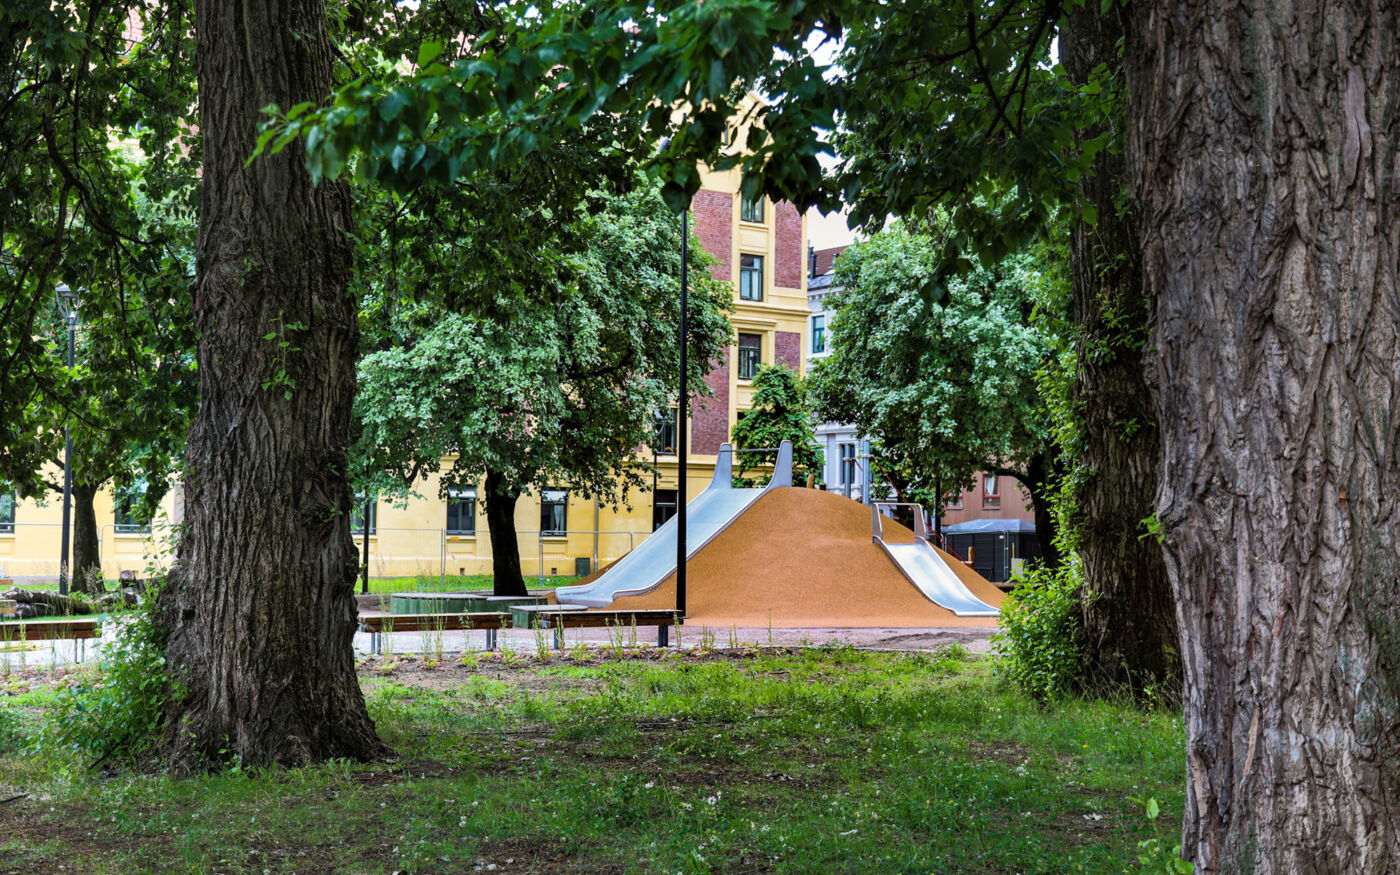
<point x="405" y="552"/>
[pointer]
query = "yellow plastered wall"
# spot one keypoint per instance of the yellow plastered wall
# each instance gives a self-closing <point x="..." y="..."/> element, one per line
<point x="30" y="551"/>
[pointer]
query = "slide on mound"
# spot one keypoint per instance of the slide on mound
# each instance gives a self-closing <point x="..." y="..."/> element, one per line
<point x="654" y="559"/>
<point x="804" y="559"/>
<point x="926" y="569"/>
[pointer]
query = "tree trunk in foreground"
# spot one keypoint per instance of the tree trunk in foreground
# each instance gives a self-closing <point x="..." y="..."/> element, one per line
<point x="87" y="560"/>
<point x="1127" y="630"/>
<point x="1037" y="480"/>
<point x="259" y="605"/>
<point x="1263" y="143"/>
<point x="507" y="578"/>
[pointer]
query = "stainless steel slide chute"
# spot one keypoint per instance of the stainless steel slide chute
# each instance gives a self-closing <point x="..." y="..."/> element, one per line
<point x="654" y="559"/>
<point x="925" y="568"/>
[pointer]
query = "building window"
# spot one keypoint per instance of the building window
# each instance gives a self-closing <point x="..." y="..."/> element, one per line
<point x="991" y="491"/>
<point x="750" y="355"/>
<point x="554" y="512"/>
<point x="7" y="512"/>
<point x="954" y="502"/>
<point x="663" y="507"/>
<point x="666" y="431"/>
<point x="357" y="516"/>
<point x="751" y="277"/>
<point x="819" y="333"/>
<point x="848" y="464"/>
<point x="751" y="210"/>
<point x="461" y="511"/>
<point x="128" y="503"/>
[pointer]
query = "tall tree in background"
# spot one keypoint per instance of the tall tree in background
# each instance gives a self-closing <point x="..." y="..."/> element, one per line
<point x="1127" y="625"/>
<point x="97" y="185"/>
<point x="948" y="387"/>
<point x="259" y="606"/>
<point x="1263" y="140"/>
<point x="557" y="387"/>
<point x="780" y="412"/>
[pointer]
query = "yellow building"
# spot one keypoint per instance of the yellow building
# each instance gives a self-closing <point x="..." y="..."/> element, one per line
<point x="31" y="535"/>
<point x="760" y="249"/>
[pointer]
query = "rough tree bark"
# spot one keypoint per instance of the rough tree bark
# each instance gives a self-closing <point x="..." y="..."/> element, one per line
<point x="1263" y="143"/>
<point x="507" y="578"/>
<point x="1127" y="629"/>
<point x="87" y="561"/>
<point x="259" y="605"/>
<point x="1038" y="479"/>
<point x="1041" y="472"/>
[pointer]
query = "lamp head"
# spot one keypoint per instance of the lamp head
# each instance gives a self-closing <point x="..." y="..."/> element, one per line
<point x="67" y="300"/>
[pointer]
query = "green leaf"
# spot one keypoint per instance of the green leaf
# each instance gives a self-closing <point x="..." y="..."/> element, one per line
<point x="427" y="53"/>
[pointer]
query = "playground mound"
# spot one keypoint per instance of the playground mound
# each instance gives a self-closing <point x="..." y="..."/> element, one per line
<point x="802" y="558"/>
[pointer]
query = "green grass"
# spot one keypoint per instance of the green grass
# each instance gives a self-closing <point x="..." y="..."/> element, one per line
<point x="819" y="760"/>
<point x="454" y="583"/>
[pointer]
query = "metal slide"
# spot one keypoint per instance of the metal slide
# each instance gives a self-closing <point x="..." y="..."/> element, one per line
<point x="654" y="559"/>
<point x="926" y="569"/>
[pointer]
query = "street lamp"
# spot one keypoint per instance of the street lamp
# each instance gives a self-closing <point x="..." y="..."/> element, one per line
<point x="683" y="405"/>
<point x="67" y="305"/>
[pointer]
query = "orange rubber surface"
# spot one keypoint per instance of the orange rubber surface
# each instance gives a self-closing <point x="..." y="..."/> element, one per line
<point x="802" y="558"/>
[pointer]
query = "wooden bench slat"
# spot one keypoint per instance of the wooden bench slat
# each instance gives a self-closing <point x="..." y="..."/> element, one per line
<point x="48" y="630"/>
<point x="435" y="622"/>
<point x="591" y="619"/>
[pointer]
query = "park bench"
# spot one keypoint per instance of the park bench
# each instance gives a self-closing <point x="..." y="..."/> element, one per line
<point x="55" y="629"/>
<point x="561" y="617"/>
<point x="380" y="624"/>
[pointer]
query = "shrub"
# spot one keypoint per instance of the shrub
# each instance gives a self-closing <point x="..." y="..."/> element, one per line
<point x="119" y="713"/>
<point x="1036" y="641"/>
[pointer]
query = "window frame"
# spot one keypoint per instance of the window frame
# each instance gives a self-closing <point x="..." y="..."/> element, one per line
<point x="561" y="504"/>
<point x="846" y="461"/>
<point x="751" y="277"/>
<point x="749" y="358"/>
<point x="664" y="421"/>
<point x="9" y="502"/>
<point x="991" y="492"/>
<point x="751" y="208"/>
<point x="818" y="333"/>
<point x="657" y="506"/>
<point x="465" y="500"/>
<point x="357" y="523"/>
<point x="124" y="522"/>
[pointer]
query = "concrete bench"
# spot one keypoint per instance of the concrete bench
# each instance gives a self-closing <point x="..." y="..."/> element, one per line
<point x="561" y="617"/>
<point x="490" y="621"/>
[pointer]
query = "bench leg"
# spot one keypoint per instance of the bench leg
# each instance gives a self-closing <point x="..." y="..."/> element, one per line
<point x="663" y="636"/>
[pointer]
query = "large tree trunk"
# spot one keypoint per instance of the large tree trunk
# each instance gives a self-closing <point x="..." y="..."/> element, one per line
<point x="505" y="546"/>
<point x="1263" y="141"/>
<point x="1127" y="630"/>
<point x="87" y="560"/>
<point x="1038" y="480"/>
<point x="259" y="605"/>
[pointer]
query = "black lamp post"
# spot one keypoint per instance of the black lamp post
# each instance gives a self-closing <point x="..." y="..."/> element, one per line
<point x="67" y="305"/>
<point x="683" y="409"/>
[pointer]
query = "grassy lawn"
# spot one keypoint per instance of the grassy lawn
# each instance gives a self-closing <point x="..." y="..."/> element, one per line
<point x="812" y="760"/>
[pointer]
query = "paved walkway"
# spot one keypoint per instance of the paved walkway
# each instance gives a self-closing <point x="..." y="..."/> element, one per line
<point x="17" y="655"/>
